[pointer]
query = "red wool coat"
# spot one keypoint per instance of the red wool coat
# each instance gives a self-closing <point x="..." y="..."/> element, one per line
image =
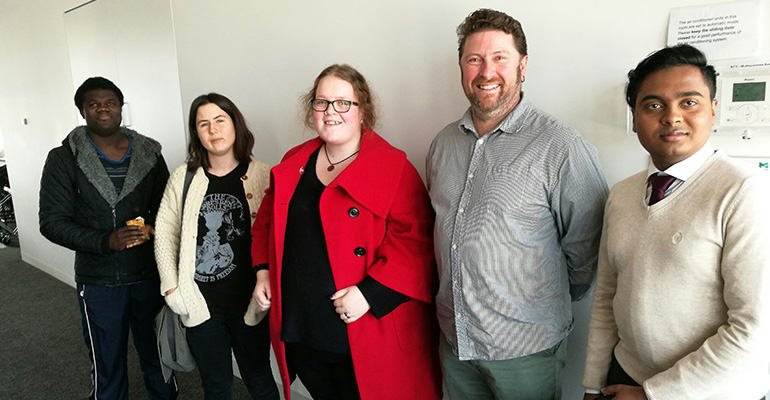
<point x="395" y="357"/>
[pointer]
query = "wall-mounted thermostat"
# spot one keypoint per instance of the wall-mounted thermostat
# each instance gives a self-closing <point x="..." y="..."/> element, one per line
<point x="744" y="101"/>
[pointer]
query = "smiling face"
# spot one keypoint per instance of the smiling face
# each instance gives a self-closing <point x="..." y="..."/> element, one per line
<point x="673" y="115"/>
<point x="101" y="109"/>
<point x="492" y="70"/>
<point x="335" y="128"/>
<point x="215" y="130"/>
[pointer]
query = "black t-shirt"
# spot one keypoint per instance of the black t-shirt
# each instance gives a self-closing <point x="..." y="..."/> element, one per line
<point x="306" y="276"/>
<point x="307" y="282"/>
<point x="223" y="254"/>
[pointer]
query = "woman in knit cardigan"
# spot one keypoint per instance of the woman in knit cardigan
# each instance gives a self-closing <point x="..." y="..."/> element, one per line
<point x="202" y="246"/>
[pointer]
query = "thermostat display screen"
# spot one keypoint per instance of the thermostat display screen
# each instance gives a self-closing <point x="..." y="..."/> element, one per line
<point x="744" y="100"/>
<point x="750" y="91"/>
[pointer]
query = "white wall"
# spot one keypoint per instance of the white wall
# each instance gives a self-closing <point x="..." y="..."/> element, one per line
<point x="264" y="55"/>
<point x="2" y="146"/>
<point x="34" y="84"/>
<point x="132" y="44"/>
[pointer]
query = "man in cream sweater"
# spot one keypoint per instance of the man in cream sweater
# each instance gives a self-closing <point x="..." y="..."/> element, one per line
<point x="682" y="300"/>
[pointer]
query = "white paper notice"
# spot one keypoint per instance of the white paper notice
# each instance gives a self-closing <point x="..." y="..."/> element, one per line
<point x="722" y="31"/>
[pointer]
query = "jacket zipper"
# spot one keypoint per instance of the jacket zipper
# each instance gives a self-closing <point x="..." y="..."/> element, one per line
<point x="115" y="256"/>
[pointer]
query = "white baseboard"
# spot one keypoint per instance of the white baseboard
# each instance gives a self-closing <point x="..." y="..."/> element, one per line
<point x="48" y="269"/>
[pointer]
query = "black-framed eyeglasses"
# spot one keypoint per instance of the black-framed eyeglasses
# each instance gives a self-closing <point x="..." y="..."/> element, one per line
<point x="340" y="106"/>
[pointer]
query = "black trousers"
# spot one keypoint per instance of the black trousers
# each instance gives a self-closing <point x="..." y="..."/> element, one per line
<point x="618" y="376"/>
<point x="211" y="343"/>
<point x="327" y="376"/>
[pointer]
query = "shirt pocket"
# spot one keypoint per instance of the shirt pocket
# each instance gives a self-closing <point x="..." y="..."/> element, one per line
<point x="504" y="188"/>
<point x="514" y="194"/>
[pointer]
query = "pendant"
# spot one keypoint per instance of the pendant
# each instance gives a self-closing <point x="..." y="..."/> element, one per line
<point x="330" y="168"/>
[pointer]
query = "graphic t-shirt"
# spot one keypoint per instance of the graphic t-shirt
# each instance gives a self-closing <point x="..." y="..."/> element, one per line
<point x="223" y="254"/>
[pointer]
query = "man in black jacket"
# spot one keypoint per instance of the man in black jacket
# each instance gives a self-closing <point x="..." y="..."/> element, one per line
<point x="102" y="176"/>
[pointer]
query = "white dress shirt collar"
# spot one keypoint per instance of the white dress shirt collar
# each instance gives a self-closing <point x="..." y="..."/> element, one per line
<point x="684" y="169"/>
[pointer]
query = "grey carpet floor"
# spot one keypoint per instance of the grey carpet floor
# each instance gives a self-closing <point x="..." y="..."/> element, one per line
<point x="42" y="354"/>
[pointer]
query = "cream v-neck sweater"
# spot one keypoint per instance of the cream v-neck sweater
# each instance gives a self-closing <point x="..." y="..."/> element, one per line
<point x="683" y="287"/>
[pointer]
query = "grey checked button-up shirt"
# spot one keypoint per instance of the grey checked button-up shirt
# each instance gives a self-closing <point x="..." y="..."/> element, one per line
<point x="518" y="220"/>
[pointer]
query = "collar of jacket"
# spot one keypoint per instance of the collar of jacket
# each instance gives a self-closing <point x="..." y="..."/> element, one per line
<point x="378" y="165"/>
<point x="144" y="154"/>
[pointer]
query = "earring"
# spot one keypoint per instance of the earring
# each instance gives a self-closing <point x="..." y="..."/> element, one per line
<point x="523" y="78"/>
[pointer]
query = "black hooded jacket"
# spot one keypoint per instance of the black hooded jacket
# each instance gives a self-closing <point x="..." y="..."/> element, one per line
<point x="80" y="208"/>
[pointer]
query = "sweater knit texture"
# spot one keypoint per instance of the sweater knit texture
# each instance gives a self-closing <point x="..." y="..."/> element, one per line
<point x="683" y="290"/>
<point x="177" y="234"/>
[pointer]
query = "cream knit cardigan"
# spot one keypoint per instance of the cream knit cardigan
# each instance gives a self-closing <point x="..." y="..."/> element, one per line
<point x="174" y="228"/>
<point x="683" y="291"/>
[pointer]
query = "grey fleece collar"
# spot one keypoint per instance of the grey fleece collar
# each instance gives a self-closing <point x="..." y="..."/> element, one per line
<point x="144" y="155"/>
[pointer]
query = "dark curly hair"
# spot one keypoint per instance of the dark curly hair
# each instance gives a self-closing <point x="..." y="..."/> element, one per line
<point x="95" y="83"/>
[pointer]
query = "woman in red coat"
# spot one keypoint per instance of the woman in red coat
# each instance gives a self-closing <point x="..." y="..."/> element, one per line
<point x="344" y="251"/>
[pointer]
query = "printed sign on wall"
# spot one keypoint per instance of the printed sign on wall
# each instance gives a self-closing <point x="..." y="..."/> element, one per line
<point x="722" y="31"/>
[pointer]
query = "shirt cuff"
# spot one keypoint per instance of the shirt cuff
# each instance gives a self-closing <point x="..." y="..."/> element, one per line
<point x="260" y="267"/>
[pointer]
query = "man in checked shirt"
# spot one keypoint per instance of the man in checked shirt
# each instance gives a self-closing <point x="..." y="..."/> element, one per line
<point x="519" y="200"/>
